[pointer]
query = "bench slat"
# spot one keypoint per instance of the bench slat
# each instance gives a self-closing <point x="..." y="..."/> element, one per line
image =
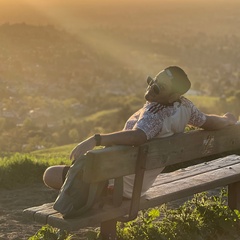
<point x="193" y="170"/>
<point x="206" y="177"/>
<point x="43" y="215"/>
<point x="194" y="184"/>
<point x="161" y="152"/>
<point x="192" y="145"/>
<point x="92" y="218"/>
<point x="30" y="212"/>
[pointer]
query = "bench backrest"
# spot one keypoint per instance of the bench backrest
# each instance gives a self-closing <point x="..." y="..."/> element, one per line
<point x="117" y="161"/>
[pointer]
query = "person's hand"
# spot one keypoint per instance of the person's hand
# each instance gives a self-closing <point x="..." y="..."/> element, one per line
<point x="82" y="148"/>
<point x="231" y="118"/>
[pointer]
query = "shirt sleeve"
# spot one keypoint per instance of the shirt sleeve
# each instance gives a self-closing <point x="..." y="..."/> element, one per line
<point x="197" y="118"/>
<point x="150" y="123"/>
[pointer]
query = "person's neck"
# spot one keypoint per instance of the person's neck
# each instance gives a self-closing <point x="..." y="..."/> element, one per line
<point x="167" y="103"/>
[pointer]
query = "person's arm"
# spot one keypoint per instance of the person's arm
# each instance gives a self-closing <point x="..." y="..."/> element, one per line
<point x="130" y="137"/>
<point x="214" y="122"/>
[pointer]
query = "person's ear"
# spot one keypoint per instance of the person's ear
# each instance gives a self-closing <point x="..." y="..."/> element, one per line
<point x="173" y="97"/>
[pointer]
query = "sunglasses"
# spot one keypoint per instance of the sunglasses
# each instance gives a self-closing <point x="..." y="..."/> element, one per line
<point x="154" y="85"/>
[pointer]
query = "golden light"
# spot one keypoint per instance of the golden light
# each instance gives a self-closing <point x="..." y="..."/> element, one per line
<point x="89" y="20"/>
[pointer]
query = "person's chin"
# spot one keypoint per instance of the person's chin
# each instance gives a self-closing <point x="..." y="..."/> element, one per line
<point x="149" y="97"/>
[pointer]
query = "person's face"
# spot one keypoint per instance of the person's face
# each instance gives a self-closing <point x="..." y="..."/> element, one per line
<point x="159" y="89"/>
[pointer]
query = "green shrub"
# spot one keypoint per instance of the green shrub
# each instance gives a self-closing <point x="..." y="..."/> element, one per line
<point x="20" y="169"/>
<point x="202" y="218"/>
<point x="49" y="233"/>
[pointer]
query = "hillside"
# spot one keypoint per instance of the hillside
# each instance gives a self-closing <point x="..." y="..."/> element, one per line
<point x="61" y="82"/>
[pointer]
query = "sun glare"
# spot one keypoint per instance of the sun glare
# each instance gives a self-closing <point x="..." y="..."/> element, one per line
<point x="75" y="20"/>
<point x="92" y="22"/>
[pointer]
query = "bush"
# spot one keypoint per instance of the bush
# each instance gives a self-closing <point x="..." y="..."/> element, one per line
<point x="24" y="169"/>
<point x="202" y="218"/>
<point x="49" y="233"/>
<point x="19" y="169"/>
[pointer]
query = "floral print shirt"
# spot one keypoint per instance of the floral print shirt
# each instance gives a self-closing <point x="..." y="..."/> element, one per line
<point x="158" y="120"/>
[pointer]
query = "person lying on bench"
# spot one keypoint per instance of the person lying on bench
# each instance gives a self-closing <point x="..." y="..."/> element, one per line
<point x="165" y="113"/>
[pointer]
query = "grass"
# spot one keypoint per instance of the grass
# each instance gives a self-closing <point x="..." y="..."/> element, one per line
<point x="23" y="169"/>
<point x="61" y="152"/>
<point x="204" y="101"/>
<point x="20" y="169"/>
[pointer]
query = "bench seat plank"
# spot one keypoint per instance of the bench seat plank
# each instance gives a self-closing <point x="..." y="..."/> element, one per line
<point x="43" y="215"/>
<point x="193" y="170"/>
<point x="30" y="212"/>
<point x="171" y="186"/>
<point x="191" y="185"/>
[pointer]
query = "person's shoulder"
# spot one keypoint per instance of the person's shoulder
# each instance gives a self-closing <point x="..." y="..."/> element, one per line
<point x="184" y="99"/>
<point x="186" y="102"/>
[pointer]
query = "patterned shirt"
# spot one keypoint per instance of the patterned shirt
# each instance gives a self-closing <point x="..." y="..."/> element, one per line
<point x="158" y="121"/>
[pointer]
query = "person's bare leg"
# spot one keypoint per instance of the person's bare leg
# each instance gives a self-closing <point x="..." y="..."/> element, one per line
<point x="54" y="176"/>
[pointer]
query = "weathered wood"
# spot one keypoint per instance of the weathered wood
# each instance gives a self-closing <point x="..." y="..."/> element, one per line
<point x="104" y="161"/>
<point x="117" y="195"/>
<point x="191" y="185"/>
<point x="192" y="145"/>
<point x="168" y="187"/>
<point x="197" y="169"/>
<point x="92" y="218"/>
<point x="43" y="215"/>
<point x="30" y="212"/>
<point x="161" y="152"/>
<point x="138" y="181"/>
<point x="234" y="195"/>
<point x="108" y="230"/>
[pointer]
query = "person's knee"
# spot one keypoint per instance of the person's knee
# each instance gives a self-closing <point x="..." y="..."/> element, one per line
<point x="53" y="177"/>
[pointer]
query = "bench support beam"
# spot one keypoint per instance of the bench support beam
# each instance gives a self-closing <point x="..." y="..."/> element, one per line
<point x="234" y="195"/>
<point x="138" y="182"/>
<point x="108" y="230"/>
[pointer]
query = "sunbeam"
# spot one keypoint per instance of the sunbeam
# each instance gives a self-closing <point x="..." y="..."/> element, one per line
<point x="92" y="28"/>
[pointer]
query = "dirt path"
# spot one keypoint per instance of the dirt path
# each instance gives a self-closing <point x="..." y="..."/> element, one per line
<point x="13" y="225"/>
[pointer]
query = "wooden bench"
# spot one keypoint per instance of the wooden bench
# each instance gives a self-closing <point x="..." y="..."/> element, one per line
<point x="216" y="164"/>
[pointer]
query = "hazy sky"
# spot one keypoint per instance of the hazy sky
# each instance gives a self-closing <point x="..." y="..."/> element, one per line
<point x="58" y="11"/>
<point x="49" y="11"/>
<point x="74" y="15"/>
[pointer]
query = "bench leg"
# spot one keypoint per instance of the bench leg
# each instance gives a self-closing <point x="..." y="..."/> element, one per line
<point x="234" y="195"/>
<point x="108" y="230"/>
